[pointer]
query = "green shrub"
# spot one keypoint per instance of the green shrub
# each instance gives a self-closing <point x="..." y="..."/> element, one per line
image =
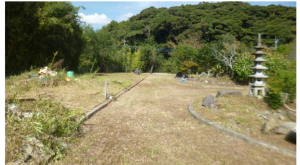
<point x="283" y="81"/>
<point x="135" y="61"/>
<point x="274" y="99"/>
<point x="241" y="69"/>
<point x="170" y="66"/>
<point x="289" y="50"/>
<point x="275" y="62"/>
<point x="185" y="53"/>
<point x="186" y="65"/>
<point x="218" y="69"/>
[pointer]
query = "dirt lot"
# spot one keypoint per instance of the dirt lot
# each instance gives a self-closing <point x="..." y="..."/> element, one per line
<point x="150" y="124"/>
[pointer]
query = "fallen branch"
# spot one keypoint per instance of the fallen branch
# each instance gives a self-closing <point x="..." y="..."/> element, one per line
<point x="286" y="105"/>
<point x="289" y="108"/>
<point x="262" y="116"/>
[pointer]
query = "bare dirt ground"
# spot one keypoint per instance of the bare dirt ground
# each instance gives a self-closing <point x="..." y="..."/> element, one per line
<point x="150" y="124"/>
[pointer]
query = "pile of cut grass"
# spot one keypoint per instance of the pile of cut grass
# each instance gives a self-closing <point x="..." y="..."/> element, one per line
<point x="51" y="123"/>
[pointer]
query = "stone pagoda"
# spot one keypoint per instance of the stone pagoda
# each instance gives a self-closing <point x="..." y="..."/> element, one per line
<point x="257" y="86"/>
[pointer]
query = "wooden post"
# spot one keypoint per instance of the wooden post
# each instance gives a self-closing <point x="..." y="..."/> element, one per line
<point x="105" y="90"/>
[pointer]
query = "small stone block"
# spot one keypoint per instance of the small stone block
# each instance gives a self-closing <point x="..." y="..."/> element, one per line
<point x="222" y="93"/>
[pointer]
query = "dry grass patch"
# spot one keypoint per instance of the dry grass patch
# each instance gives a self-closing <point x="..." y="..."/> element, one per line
<point x="83" y="91"/>
<point x="162" y="132"/>
<point x="55" y="108"/>
<point x="243" y="114"/>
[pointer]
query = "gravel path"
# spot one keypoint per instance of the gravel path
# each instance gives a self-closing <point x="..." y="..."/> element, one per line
<point x="150" y="124"/>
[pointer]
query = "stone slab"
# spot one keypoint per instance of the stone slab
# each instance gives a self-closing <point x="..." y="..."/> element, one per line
<point x="226" y="92"/>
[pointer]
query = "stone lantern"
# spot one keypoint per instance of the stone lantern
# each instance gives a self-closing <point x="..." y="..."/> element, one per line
<point x="257" y="86"/>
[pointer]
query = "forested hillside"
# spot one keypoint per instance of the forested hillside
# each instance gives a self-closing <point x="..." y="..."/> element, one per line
<point x="36" y="30"/>
<point x="206" y="22"/>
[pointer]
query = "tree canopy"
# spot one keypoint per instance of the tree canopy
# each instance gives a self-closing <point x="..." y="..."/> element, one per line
<point x="36" y="30"/>
<point x="210" y="21"/>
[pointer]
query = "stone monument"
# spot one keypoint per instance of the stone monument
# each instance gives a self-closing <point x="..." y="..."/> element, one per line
<point x="257" y="86"/>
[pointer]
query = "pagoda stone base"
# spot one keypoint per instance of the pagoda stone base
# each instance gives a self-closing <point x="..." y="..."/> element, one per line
<point x="259" y="92"/>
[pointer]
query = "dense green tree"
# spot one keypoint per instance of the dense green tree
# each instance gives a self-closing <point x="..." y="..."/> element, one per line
<point x="135" y="61"/>
<point x="241" y="68"/>
<point x="113" y="25"/>
<point x="35" y="30"/>
<point x="185" y="53"/>
<point x="21" y="22"/>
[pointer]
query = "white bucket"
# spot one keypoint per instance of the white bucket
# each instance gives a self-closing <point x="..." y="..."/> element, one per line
<point x="53" y="73"/>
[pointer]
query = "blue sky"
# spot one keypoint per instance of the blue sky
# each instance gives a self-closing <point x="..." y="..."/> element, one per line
<point x="99" y="13"/>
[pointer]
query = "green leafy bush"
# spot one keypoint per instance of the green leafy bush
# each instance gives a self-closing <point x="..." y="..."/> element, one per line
<point x="274" y="99"/>
<point x="275" y="62"/>
<point x="205" y="58"/>
<point x="241" y="69"/>
<point x="283" y="81"/>
<point x="186" y="65"/>
<point x="135" y="61"/>
<point x="170" y="66"/>
<point x="185" y="53"/>
<point x="218" y="70"/>
<point x="289" y="50"/>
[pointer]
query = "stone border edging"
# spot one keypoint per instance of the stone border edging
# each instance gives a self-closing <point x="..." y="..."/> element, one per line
<point x="281" y="150"/>
<point x="89" y="114"/>
<point x="214" y="86"/>
<point x="163" y="73"/>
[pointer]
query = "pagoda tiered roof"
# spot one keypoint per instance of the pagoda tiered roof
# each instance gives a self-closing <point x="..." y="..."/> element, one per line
<point x="259" y="75"/>
<point x="259" y="53"/>
<point x="259" y="47"/>
<point x="259" y="59"/>
<point x="259" y="67"/>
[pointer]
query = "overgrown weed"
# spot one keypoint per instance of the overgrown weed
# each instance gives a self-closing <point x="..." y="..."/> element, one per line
<point x="51" y="123"/>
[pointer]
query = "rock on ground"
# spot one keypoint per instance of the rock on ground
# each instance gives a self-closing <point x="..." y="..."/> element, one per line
<point x="280" y="130"/>
<point x="291" y="136"/>
<point x="289" y="125"/>
<point x="213" y="107"/>
<point x="203" y="74"/>
<point x="271" y="123"/>
<point x="40" y="153"/>
<point x="208" y="100"/>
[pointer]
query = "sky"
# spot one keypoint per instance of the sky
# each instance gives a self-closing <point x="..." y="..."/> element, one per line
<point x="100" y="13"/>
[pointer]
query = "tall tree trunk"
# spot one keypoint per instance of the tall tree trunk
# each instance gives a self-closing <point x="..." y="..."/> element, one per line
<point x="152" y="68"/>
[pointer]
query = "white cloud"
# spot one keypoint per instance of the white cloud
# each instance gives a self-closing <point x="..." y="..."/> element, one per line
<point x="126" y="7"/>
<point x="123" y="7"/>
<point x="119" y="6"/>
<point x="95" y="19"/>
<point x="124" y="17"/>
